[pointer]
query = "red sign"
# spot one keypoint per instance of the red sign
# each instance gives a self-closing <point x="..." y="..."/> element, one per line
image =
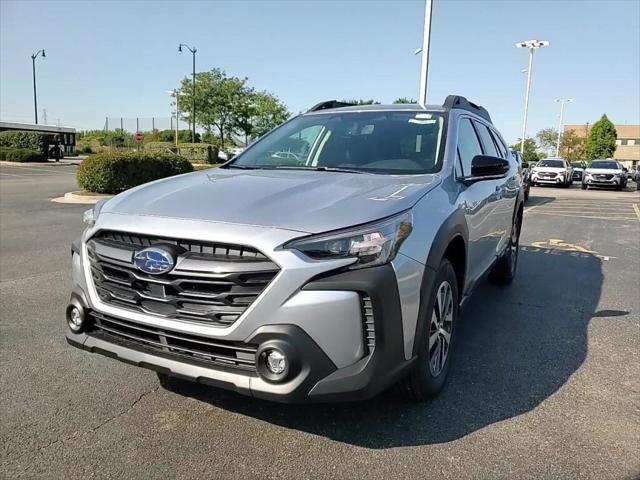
<point x="138" y="136"/>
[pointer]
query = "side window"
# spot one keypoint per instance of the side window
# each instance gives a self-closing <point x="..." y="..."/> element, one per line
<point x="502" y="149"/>
<point x="468" y="145"/>
<point x="487" y="140"/>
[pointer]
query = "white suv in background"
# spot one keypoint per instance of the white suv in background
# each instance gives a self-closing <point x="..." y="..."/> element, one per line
<point x="552" y="171"/>
<point x="604" y="173"/>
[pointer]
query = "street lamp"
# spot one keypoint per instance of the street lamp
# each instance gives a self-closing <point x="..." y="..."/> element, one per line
<point x="424" y="65"/>
<point x="562" y="101"/>
<point x="531" y="45"/>
<point x="33" y="65"/>
<point x="193" y="53"/>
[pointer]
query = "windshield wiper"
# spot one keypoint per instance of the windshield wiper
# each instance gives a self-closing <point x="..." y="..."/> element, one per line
<point x="317" y="169"/>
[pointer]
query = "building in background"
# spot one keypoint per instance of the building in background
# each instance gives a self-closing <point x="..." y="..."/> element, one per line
<point x="627" y="142"/>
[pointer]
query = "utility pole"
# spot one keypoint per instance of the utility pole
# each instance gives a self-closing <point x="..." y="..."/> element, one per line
<point x="531" y="45"/>
<point x="35" y="96"/>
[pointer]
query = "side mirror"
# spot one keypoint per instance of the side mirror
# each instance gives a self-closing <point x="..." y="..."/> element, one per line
<point x="485" y="167"/>
<point x="625" y="170"/>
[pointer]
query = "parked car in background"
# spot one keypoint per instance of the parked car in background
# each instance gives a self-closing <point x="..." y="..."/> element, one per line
<point x="604" y="173"/>
<point x="326" y="262"/>
<point x="552" y="171"/>
<point x="526" y="174"/>
<point x="578" y="170"/>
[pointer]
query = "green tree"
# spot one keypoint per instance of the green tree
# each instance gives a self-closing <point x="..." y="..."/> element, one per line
<point x="361" y="102"/>
<point x="404" y="100"/>
<point x="530" y="154"/>
<point x="217" y="98"/>
<point x="268" y="112"/>
<point x="547" y="140"/>
<point x="601" y="142"/>
<point x="572" y="147"/>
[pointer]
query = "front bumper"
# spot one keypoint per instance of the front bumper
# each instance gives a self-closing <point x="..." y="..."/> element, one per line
<point x="596" y="182"/>
<point x="314" y="376"/>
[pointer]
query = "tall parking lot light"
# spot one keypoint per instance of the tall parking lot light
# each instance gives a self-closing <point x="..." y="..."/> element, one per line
<point x="193" y="53"/>
<point x="424" y="65"/>
<point x="531" y="45"/>
<point x="33" y="65"/>
<point x="562" y="101"/>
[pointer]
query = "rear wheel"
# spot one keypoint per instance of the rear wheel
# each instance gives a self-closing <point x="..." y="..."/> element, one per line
<point x="504" y="270"/>
<point x="438" y="336"/>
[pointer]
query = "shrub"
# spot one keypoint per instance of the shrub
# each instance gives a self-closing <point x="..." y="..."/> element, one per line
<point x="35" y="141"/>
<point x="86" y="149"/>
<point x="115" y="172"/>
<point x="9" y="154"/>
<point x="199" y="152"/>
<point x="159" y="147"/>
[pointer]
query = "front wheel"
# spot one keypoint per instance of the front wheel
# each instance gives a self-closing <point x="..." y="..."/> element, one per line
<point x="504" y="271"/>
<point x="437" y="339"/>
<point x="584" y="186"/>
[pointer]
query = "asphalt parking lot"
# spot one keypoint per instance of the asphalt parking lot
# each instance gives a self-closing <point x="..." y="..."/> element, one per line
<point x="545" y="382"/>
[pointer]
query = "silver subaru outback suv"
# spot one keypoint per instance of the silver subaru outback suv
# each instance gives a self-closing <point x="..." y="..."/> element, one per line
<point x="326" y="262"/>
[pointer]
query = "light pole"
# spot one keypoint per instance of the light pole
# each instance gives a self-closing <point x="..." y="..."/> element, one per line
<point x="424" y="64"/>
<point x="33" y="65"/>
<point x="531" y="45"/>
<point x="174" y="94"/>
<point x="193" y="53"/>
<point x="562" y="101"/>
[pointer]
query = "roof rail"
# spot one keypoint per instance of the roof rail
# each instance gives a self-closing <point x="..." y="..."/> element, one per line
<point x="458" y="101"/>
<point x="330" y="104"/>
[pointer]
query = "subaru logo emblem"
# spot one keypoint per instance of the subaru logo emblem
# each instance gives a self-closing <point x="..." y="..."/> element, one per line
<point x="153" y="260"/>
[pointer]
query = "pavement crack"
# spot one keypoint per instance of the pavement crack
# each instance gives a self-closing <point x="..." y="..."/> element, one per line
<point x="90" y="430"/>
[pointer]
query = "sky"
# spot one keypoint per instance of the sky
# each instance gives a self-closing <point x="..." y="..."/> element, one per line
<point x="118" y="58"/>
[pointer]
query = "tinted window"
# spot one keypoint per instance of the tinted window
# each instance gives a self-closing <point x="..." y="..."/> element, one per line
<point x="487" y="140"/>
<point x="386" y="142"/>
<point x="468" y="145"/>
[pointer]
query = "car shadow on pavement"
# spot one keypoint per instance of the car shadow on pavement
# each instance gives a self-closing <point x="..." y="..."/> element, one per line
<point x="516" y="346"/>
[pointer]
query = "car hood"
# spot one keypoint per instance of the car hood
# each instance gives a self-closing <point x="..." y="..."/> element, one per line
<point x="305" y="201"/>
<point x="604" y="171"/>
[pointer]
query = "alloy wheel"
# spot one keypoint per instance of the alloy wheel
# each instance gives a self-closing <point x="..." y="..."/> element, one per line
<point x="440" y="329"/>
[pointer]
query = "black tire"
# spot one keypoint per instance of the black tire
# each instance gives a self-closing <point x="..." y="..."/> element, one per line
<point x="504" y="271"/>
<point x="426" y="380"/>
<point x="526" y="194"/>
<point x="584" y="186"/>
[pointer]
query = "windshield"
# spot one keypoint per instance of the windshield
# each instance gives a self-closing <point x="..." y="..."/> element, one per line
<point x="576" y="164"/>
<point x="551" y="163"/>
<point x="608" y="164"/>
<point x="389" y="142"/>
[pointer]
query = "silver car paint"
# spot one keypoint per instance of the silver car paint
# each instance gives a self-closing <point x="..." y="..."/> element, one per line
<point x="214" y="206"/>
<point x="305" y="201"/>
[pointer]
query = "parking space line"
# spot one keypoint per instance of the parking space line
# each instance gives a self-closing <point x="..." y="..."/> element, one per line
<point x="637" y="210"/>
<point x="583" y="216"/>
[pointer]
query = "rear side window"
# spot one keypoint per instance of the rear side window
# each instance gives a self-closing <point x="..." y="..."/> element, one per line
<point x="487" y="140"/>
<point x="502" y="149"/>
<point x="468" y="145"/>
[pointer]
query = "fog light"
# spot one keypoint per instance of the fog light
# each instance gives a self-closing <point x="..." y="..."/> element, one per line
<point x="75" y="318"/>
<point x="276" y="362"/>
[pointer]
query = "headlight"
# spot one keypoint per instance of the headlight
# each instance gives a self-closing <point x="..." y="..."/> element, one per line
<point x="91" y="216"/>
<point x="373" y="244"/>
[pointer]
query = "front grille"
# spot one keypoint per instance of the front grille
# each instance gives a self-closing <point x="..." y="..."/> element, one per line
<point x="603" y="176"/>
<point x="368" y="326"/>
<point x="548" y="175"/>
<point x="211" y="283"/>
<point x="193" y="348"/>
